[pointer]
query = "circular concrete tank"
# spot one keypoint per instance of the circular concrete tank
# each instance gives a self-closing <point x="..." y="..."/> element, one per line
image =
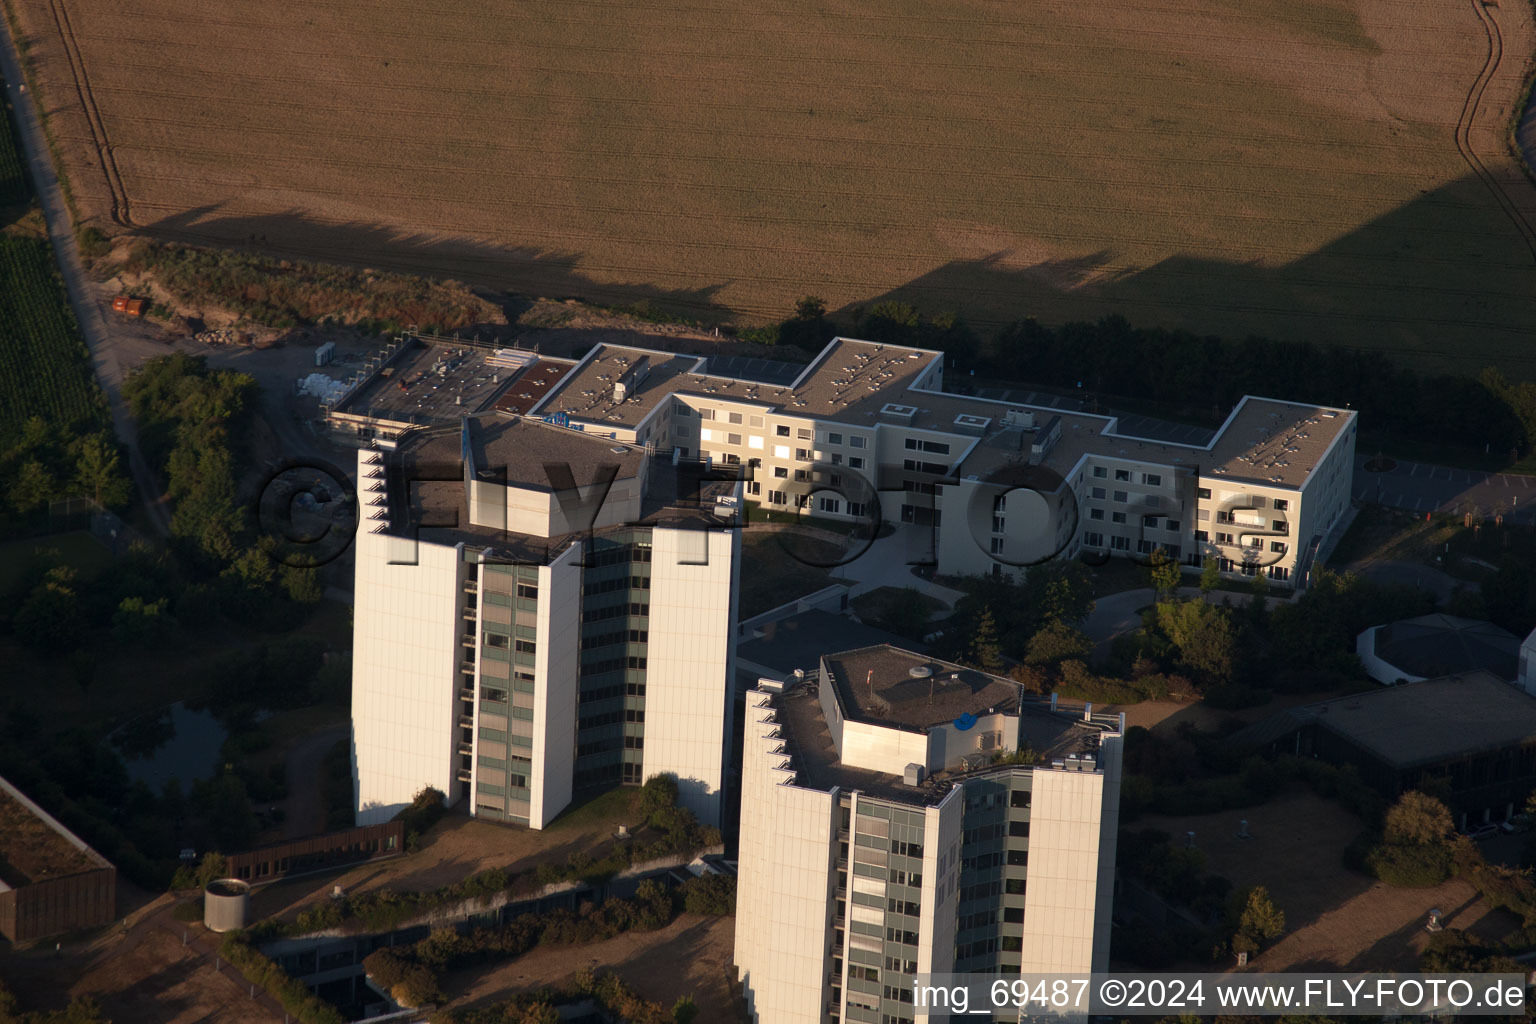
<point x="224" y="904"/>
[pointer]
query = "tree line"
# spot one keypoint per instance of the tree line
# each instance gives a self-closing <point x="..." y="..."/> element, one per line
<point x="1198" y="375"/>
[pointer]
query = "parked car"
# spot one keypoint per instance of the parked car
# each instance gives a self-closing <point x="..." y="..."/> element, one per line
<point x="1482" y="832"/>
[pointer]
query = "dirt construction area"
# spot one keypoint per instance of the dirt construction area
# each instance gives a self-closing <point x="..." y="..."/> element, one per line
<point x="1336" y="919"/>
<point x="1320" y="169"/>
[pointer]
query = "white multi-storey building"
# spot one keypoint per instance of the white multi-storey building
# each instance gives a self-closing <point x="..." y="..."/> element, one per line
<point x="523" y="633"/>
<point x="867" y="430"/>
<point x="889" y="828"/>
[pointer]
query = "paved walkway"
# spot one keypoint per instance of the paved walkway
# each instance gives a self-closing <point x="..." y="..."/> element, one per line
<point x="87" y="307"/>
<point x="889" y="563"/>
<point x="1413" y="574"/>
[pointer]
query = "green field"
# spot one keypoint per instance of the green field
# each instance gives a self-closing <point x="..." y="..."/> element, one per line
<point x="13" y="182"/>
<point x="45" y="367"/>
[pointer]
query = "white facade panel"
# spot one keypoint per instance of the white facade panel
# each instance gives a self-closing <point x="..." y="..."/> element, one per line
<point x="405" y="667"/>
<point x="785" y="883"/>
<point x="881" y="748"/>
<point x="691" y="662"/>
<point x="1061" y="901"/>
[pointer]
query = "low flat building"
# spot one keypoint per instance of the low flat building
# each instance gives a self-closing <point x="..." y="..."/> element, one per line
<point x="51" y="882"/>
<point x="1412" y="650"/>
<point x="1469" y="739"/>
<point x="867" y="432"/>
<point x="891" y="826"/>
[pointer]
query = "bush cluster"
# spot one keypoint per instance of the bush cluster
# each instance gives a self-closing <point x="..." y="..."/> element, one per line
<point x="280" y="293"/>
<point x="295" y="997"/>
<point x="411" y="973"/>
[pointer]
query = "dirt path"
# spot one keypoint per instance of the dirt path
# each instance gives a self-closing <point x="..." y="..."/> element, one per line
<point x="83" y="297"/>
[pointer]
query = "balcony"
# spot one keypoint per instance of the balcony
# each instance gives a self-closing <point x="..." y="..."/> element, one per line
<point x="463" y="775"/>
<point x="467" y="693"/>
<point x="466" y="747"/>
<point x="466" y="721"/>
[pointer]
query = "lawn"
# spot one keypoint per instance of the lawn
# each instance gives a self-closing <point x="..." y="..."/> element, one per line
<point x="77" y="549"/>
<point x="1289" y="170"/>
<point x="902" y="610"/>
<point x="772" y="576"/>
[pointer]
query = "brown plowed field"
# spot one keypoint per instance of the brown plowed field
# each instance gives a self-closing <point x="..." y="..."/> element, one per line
<point x="1295" y="169"/>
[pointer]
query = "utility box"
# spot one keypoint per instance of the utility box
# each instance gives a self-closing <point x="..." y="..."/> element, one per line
<point x="325" y="354"/>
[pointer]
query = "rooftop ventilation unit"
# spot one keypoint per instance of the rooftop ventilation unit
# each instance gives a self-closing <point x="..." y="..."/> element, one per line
<point x="913" y="776"/>
<point x="1019" y="418"/>
<point x="631" y="379"/>
<point x="972" y="425"/>
<point x="919" y="671"/>
<point x="1046" y="439"/>
<point x="899" y="413"/>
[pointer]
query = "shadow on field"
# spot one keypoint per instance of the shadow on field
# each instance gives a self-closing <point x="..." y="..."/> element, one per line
<point x="1445" y="280"/>
<point x="547" y="273"/>
<point x="1435" y="280"/>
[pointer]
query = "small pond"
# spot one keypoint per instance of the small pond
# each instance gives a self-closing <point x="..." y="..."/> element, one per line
<point x="179" y="743"/>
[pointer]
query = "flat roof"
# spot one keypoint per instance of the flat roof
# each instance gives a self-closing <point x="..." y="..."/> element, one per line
<point x="1265" y="441"/>
<point x="523" y="446"/>
<point x="1434" y="720"/>
<point x="430" y="383"/>
<point x="879" y="684"/>
<point x="528" y="388"/>
<point x="1436" y="645"/>
<point x="767" y="371"/>
<point x="803" y="726"/>
<point x="588" y="392"/>
<point x="34" y="847"/>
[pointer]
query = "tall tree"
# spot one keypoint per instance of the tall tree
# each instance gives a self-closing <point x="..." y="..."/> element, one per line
<point x="99" y="473"/>
<point x="986" y="653"/>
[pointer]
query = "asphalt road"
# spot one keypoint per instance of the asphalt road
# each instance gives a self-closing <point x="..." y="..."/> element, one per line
<point x="1420" y="487"/>
<point x="87" y="305"/>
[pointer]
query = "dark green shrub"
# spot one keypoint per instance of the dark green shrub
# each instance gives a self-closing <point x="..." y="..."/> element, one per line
<point x="710" y="894"/>
<point x="1410" y="867"/>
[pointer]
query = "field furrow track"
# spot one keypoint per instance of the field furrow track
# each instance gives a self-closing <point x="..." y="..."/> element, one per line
<point x="77" y="68"/>
<point x="1469" y="115"/>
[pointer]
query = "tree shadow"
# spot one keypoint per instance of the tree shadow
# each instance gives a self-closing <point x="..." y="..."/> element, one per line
<point x="1445" y="279"/>
<point x="524" y="270"/>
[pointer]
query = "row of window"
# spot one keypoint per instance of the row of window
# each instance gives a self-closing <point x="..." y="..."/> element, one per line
<point x="621" y="583"/>
<point x="614" y="611"/>
<point x="592" y="668"/>
<point x="1149" y="479"/>
<point x="618" y="636"/>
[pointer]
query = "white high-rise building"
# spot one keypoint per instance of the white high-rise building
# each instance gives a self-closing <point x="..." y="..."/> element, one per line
<point x="891" y="827"/>
<point x="538" y="612"/>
